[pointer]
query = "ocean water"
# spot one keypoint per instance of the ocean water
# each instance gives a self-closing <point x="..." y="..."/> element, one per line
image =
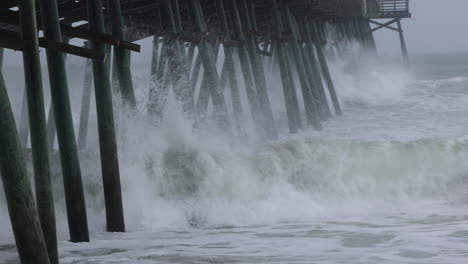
<point x="387" y="182"/>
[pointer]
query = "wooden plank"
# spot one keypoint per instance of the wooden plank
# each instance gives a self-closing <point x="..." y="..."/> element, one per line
<point x="11" y="17"/>
<point x="12" y="40"/>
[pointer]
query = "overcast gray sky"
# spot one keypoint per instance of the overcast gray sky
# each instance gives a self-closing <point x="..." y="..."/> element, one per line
<point x="436" y="26"/>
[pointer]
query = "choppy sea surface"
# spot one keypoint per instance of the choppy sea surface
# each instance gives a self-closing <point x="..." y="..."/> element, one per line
<point x="387" y="182"/>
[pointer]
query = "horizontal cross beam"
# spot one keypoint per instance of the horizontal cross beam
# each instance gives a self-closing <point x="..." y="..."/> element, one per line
<point x="12" y="40"/>
<point x="385" y="25"/>
<point x="380" y="25"/>
<point x="11" y="17"/>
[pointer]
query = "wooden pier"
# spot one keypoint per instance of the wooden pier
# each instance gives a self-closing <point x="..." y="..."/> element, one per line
<point x="253" y="36"/>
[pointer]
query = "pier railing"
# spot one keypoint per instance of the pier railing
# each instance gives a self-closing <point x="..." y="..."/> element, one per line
<point x="386" y="8"/>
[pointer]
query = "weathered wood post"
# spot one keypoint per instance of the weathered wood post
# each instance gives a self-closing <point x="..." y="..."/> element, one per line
<point x="341" y="41"/>
<point x="292" y="111"/>
<point x="361" y="35"/>
<point x="50" y="116"/>
<point x="38" y="130"/>
<point x="190" y="56"/>
<point x="121" y="56"/>
<point x="160" y="84"/>
<point x="231" y="71"/>
<point x="85" y="105"/>
<point x="209" y="65"/>
<point x="244" y="60"/>
<point x="24" y="123"/>
<point x="155" y="57"/>
<point x="203" y="99"/>
<point x="315" y="68"/>
<point x="179" y="70"/>
<point x="257" y="69"/>
<point x="174" y="61"/>
<point x="107" y="137"/>
<point x="17" y="187"/>
<point x="313" y="75"/>
<point x="404" y="50"/>
<point x="311" y="104"/>
<point x="51" y="126"/>
<point x="74" y="194"/>
<point x="367" y="28"/>
<point x="196" y="71"/>
<point x="325" y="70"/>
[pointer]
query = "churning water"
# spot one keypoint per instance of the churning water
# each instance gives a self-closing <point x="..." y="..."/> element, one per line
<point x="385" y="183"/>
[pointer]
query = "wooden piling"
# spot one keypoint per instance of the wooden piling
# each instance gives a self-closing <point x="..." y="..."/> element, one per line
<point x="316" y="85"/>
<point x="325" y="70"/>
<point x="311" y="103"/>
<point x="85" y="105"/>
<point x="231" y="72"/>
<point x="160" y="84"/>
<point x="1" y="59"/>
<point x="51" y="118"/>
<point x="315" y="69"/>
<point x="196" y="71"/>
<point x="178" y="72"/>
<point x="24" y="217"/>
<point x="51" y="126"/>
<point x="209" y="65"/>
<point x="244" y="60"/>
<point x="121" y="56"/>
<point x="203" y="99"/>
<point x="257" y="69"/>
<point x="38" y="130"/>
<point x="404" y="50"/>
<point x="178" y="63"/>
<point x="292" y="112"/>
<point x="372" y="38"/>
<point x="74" y="194"/>
<point x="105" y="116"/>
<point x="155" y="56"/>
<point x="24" y="123"/>
<point x="190" y="56"/>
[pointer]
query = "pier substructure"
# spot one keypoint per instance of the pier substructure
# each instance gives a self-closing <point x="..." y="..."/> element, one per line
<point x="38" y="131"/>
<point x="23" y="212"/>
<point x="105" y="116"/>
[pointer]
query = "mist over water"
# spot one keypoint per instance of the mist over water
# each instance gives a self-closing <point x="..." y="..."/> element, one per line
<point x="385" y="183"/>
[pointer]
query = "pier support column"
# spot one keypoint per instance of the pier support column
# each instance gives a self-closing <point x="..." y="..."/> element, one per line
<point x="404" y="50"/>
<point x="209" y="65"/>
<point x="257" y="70"/>
<point x="292" y="108"/>
<point x="24" y="123"/>
<point x="38" y="130"/>
<point x="74" y="194"/>
<point x="179" y="70"/>
<point x="244" y="60"/>
<point x="85" y="105"/>
<point x="231" y="72"/>
<point x="203" y="99"/>
<point x="313" y="70"/>
<point x="160" y="84"/>
<point x="107" y="137"/>
<point x="172" y="58"/>
<point x="51" y="128"/>
<point x="325" y="70"/>
<point x="24" y="217"/>
<point x="311" y="104"/>
<point x="121" y="56"/>
<point x="196" y="71"/>
<point x="372" y="44"/>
